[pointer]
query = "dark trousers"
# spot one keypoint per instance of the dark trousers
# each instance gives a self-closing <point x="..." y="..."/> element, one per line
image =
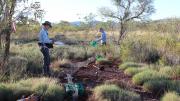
<point x="45" y="52"/>
<point x="104" y="43"/>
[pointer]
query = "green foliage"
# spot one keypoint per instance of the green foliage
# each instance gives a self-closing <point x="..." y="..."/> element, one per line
<point x="47" y="87"/>
<point x="129" y="64"/>
<point x="171" y="96"/>
<point x="90" y="21"/>
<point x="132" y="71"/>
<point x="161" y="86"/>
<point x="114" y="93"/>
<point x="148" y="75"/>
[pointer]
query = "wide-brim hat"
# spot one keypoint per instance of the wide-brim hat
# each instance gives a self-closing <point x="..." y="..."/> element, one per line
<point x="47" y="23"/>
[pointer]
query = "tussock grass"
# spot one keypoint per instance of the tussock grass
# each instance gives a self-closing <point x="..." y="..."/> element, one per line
<point x="129" y="64"/>
<point x="161" y="86"/>
<point x="151" y="47"/>
<point x="171" y="96"/>
<point x="72" y="52"/>
<point x="132" y="71"/>
<point x="177" y="71"/>
<point x="17" y="67"/>
<point x="33" y="55"/>
<point x="114" y="93"/>
<point x="48" y="87"/>
<point x="148" y="75"/>
<point x="171" y="71"/>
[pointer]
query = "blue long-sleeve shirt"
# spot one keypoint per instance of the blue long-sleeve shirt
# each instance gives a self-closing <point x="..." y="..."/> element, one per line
<point x="43" y="36"/>
<point x="103" y="37"/>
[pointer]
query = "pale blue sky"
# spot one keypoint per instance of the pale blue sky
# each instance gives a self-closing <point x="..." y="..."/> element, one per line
<point x="71" y="10"/>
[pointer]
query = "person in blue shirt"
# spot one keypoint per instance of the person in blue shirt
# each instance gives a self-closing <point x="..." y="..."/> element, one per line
<point x="44" y="41"/>
<point x="103" y="36"/>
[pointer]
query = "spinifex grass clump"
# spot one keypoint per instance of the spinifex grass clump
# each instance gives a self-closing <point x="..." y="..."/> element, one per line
<point x="160" y="86"/>
<point x="114" y="93"/>
<point x="148" y="75"/>
<point x="129" y="64"/>
<point x="170" y="71"/>
<point x="33" y="55"/>
<point x="171" y="96"/>
<point x="132" y="70"/>
<point x="48" y="87"/>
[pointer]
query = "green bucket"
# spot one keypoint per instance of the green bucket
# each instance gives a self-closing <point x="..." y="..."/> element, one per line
<point x="100" y="58"/>
<point x="70" y="88"/>
<point x="93" y="43"/>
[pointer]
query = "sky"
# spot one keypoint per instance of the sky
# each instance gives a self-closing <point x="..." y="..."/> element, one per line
<point x="74" y="10"/>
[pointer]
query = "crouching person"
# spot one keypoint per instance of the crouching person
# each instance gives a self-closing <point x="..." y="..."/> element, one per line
<point x="45" y="43"/>
<point x="103" y="36"/>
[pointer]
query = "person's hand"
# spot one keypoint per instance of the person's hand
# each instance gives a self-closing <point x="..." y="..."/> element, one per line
<point x="96" y="40"/>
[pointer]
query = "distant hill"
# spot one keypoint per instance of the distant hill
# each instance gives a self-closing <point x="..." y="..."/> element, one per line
<point x="76" y="23"/>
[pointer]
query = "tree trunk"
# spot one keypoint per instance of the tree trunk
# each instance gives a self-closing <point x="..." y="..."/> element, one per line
<point x="7" y="46"/>
<point x="7" y="32"/>
<point x="0" y="41"/>
<point x="121" y="32"/>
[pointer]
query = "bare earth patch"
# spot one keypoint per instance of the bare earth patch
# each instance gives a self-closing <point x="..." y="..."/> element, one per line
<point x="93" y="75"/>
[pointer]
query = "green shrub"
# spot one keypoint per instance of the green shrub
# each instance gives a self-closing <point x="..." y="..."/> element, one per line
<point x="114" y="93"/>
<point x="129" y="64"/>
<point x="161" y="86"/>
<point x="171" y="96"/>
<point x="48" y="87"/>
<point x="145" y="76"/>
<point x="132" y="71"/>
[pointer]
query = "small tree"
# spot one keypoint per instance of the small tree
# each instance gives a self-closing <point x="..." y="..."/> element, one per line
<point x="7" y="10"/>
<point x="6" y="20"/>
<point x="128" y="10"/>
<point x="37" y="11"/>
<point x="90" y="21"/>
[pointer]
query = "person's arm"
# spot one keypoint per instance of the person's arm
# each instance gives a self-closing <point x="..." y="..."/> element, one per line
<point x="45" y="38"/>
<point x="99" y="39"/>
